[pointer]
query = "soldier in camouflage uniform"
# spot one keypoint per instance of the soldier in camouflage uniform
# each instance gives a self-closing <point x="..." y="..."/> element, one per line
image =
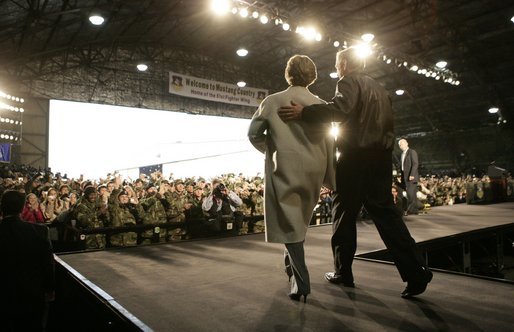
<point x="123" y="213"/>
<point x="155" y="212"/>
<point x="258" y="201"/>
<point x="195" y="217"/>
<point x="176" y="213"/>
<point x="90" y="214"/>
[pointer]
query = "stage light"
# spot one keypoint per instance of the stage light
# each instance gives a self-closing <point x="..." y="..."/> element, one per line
<point x="241" y="84"/>
<point x="264" y="19"/>
<point x="234" y="10"/>
<point x="243" y="12"/>
<point x="364" y="50"/>
<point x="318" y="37"/>
<point x="388" y="61"/>
<point x="220" y="7"/>
<point x="405" y="64"/>
<point x="493" y="110"/>
<point x="11" y="137"/>
<point x="22" y="100"/>
<point x="441" y="64"/>
<point x="22" y="110"/>
<point x="457" y="82"/>
<point x="96" y="19"/>
<point x="334" y="75"/>
<point x="142" y="67"/>
<point x="242" y="52"/>
<point x="438" y="78"/>
<point x="399" y="92"/>
<point x="512" y="19"/>
<point x="414" y="68"/>
<point x="336" y="43"/>
<point x="334" y="130"/>
<point x="255" y="14"/>
<point x="367" y="37"/>
<point x="285" y="26"/>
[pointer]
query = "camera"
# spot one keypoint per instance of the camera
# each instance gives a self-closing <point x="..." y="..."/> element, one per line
<point x="218" y="191"/>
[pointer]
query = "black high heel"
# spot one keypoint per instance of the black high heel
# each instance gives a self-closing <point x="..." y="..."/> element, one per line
<point x="298" y="297"/>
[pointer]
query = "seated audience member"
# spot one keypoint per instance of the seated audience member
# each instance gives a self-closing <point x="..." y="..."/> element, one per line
<point x="154" y="211"/>
<point x="27" y="276"/>
<point x="123" y="214"/>
<point x="397" y="200"/>
<point x="220" y="205"/>
<point x="33" y="211"/>
<point x="52" y="205"/>
<point x="90" y="215"/>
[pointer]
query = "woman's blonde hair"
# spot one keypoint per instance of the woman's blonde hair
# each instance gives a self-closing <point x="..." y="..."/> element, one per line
<point x="300" y="71"/>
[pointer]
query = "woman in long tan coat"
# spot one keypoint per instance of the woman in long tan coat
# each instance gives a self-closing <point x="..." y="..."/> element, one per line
<point x="299" y="160"/>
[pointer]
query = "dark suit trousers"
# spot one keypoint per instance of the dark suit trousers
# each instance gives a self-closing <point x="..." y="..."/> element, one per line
<point x="412" y="199"/>
<point x="365" y="178"/>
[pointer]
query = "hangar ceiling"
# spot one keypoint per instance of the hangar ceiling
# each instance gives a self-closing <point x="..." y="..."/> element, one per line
<point x="476" y="38"/>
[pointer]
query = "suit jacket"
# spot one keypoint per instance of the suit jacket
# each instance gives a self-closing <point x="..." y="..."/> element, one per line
<point x="410" y="166"/>
<point x="27" y="264"/>
<point x="364" y="109"/>
<point x="299" y="160"/>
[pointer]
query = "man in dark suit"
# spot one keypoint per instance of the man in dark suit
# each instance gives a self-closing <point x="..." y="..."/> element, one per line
<point x="27" y="275"/>
<point x="410" y="175"/>
<point x="363" y="173"/>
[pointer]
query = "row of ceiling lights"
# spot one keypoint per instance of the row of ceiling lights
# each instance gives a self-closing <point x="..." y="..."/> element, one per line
<point x="309" y="33"/>
<point x="363" y="48"/>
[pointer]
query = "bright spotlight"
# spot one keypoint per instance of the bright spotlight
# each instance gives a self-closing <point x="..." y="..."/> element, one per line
<point x="142" y="67"/>
<point x="399" y="92"/>
<point x="255" y="14"/>
<point x="96" y="19"/>
<point x="334" y="75"/>
<point x="285" y="26"/>
<point x="364" y="50"/>
<point x="242" y="52"/>
<point x="220" y="7"/>
<point x="264" y="19"/>
<point x="318" y="37"/>
<point x="241" y="84"/>
<point x="414" y="68"/>
<point x="388" y="61"/>
<point x="334" y="130"/>
<point x="336" y="43"/>
<point x="494" y="110"/>
<point x="243" y="12"/>
<point x="367" y="37"/>
<point x="441" y="64"/>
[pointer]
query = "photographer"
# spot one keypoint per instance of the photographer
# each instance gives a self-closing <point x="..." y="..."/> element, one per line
<point x="220" y="206"/>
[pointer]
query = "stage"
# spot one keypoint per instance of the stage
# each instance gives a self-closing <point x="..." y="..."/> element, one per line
<point x="238" y="283"/>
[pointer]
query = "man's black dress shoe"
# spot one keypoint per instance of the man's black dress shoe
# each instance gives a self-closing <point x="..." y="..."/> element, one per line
<point x="417" y="287"/>
<point x="338" y="279"/>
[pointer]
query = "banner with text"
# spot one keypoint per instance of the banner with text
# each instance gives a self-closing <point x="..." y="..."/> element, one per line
<point x="194" y="87"/>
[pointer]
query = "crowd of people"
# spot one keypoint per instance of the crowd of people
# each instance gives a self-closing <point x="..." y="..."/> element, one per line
<point x="85" y="204"/>
<point x="150" y="199"/>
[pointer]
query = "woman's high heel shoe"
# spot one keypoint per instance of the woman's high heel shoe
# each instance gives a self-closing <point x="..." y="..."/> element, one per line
<point x="298" y="297"/>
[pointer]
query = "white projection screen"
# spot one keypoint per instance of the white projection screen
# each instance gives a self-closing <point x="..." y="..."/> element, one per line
<point x="95" y="140"/>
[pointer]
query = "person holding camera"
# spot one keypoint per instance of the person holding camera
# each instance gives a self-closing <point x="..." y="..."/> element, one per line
<point x="220" y="205"/>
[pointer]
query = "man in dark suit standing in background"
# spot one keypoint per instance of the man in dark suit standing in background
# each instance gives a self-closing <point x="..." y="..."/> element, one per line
<point x="410" y="175"/>
<point x="27" y="268"/>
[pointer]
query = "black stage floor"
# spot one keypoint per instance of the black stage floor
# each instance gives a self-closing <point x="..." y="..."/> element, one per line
<point x="238" y="283"/>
